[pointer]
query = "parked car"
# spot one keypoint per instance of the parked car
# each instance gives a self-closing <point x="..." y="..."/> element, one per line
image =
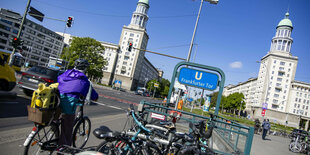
<point x="31" y="78"/>
<point x="147" y="94"/>
<point x="139" y="92"/>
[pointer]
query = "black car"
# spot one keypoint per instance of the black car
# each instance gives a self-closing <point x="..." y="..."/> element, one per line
<point x="31" y="78"/>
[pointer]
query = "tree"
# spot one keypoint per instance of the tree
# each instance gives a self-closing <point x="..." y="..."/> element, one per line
<point x="213" y="99"/>
<point x="235" y="101"/>
<point x="89" y="49"/>
<point x="164" y="87"/>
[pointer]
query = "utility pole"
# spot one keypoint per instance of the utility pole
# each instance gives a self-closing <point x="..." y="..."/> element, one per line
<point x="20" y="30"/>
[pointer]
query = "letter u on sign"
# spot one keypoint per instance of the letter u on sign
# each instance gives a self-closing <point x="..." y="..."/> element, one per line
<point x="196" y="76"/>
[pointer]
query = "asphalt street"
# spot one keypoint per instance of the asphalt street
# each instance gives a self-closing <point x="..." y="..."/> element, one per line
<point x="109" y="111"/>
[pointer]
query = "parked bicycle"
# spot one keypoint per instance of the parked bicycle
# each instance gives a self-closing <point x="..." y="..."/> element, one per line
<point x="145" y="138"/>
<point x="299" y="142"/>
<point x="44" y="137"/>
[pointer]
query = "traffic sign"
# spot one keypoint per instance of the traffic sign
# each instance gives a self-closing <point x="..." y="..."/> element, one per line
<point x="190" y="99"/>
<point x="156" y="85"/>
<point x="198" y="78"/>
<point x="265" y="105"/>
<point x="263" y="112"/>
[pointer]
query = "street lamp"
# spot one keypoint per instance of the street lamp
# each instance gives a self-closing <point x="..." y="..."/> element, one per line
<point x="194" y="33"/>
<point x="145" y="81"/>
<point x="267" y="75"/>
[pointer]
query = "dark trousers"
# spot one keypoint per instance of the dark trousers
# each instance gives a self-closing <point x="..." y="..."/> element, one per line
<point x="264" y="133"/>
<point x="67" y="123"/>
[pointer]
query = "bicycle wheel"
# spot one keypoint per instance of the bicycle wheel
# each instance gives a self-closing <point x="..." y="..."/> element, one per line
<point x="295" y="147"/>
<point x="81" y="133"/>
<point x="147" y="149"/>
<point x="114" y="147"/>
<point x="47" y="135"/>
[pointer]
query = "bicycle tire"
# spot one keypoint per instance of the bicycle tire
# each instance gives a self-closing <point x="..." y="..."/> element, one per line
<point x="147" y="149"/>
<point x="112" y="147"/>
<point x="296" y="148"/>
<point x="52" y="133"/>
<point x="81" y="133"/>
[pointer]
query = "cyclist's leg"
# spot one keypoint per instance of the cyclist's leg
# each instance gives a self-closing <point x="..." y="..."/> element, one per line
<point x="66" y="129"/>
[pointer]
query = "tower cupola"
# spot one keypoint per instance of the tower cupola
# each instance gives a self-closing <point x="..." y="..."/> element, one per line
<point x="139" y="17"/>
<point x="281" y="43"/>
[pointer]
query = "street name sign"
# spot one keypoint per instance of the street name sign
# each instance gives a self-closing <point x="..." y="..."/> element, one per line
<point x="264" y="112"/>
<point x="156" y="85"/>
<point x="265" y="105"/>
<point x="198" y="78"/>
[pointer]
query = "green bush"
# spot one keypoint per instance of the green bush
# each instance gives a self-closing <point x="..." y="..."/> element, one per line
<point x="242" y="120"/>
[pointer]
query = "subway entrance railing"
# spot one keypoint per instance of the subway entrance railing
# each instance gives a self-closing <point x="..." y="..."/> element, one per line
<point x="228" y="137"/>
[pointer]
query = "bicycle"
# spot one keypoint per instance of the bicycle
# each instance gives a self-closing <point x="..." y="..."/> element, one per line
<point x="126" y="142"/>
<point x="44" y="137"/>
<point x="146" y="139"/>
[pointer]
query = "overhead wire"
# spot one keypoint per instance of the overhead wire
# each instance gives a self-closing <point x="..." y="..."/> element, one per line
<point x="111" y="15"/>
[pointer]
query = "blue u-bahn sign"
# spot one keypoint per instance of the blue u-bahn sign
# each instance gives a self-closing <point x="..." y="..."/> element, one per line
<point x="198" y="78"/>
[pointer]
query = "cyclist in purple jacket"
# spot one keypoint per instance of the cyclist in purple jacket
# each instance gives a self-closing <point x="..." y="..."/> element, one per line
<point x="73" y="85"/>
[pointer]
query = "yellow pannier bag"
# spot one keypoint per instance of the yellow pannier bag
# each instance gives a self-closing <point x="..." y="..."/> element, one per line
<point x="45" y="96"/>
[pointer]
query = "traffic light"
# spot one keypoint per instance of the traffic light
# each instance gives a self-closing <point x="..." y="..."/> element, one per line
<point x="69" y="21"/>
<point x="129" y="47"/>
<point x="16" y="42"/>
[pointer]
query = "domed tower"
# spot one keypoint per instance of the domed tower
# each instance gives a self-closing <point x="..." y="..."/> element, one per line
<point x="277" y="69"/>
<point x="282" y="41"/>
<point x="139" y="17"/>
<point x="129" y="64"/>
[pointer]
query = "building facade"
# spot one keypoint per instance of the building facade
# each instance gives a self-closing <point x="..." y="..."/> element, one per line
<point x="275" y="84"/>
<point x="40" y="43"/>
<point x="131" y="67"/>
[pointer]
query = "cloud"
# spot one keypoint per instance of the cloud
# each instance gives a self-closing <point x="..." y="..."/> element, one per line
<point x="236" y="64"/>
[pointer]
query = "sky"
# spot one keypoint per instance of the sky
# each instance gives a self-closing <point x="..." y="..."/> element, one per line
<point x="232" y="35"/>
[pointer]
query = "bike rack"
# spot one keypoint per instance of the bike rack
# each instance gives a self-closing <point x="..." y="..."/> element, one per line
<point x="237" y="137"/>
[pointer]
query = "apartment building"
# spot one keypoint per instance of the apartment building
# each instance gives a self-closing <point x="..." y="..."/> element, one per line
<point x="39" y="42"/>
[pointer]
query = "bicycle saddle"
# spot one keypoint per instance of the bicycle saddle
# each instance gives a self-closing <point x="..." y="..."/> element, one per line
<point x="104" y="132"/>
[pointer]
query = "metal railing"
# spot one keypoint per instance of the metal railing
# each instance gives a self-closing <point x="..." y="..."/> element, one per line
<point x="235" y="137"/>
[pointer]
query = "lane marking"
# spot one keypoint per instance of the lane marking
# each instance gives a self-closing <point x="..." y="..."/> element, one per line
<point x="115" y="107"/>
<point x="108" y="105"/>
<point x="117" y="99"/>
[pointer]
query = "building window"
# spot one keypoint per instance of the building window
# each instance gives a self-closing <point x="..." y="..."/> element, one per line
<point x="282" y="63"/>
<point x="279" y="79"/>
<point x="306" y="113"/>
<point x="280" y="73"/>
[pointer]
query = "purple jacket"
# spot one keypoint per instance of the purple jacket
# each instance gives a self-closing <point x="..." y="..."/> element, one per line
<point x="72" y="84"/>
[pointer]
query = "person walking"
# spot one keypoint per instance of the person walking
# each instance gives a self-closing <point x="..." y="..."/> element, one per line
<point x="266" y="127"/>
<point x="256" y="126"/>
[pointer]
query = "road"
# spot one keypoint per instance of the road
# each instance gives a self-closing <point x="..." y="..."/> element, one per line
<point x="109" y="111"/>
